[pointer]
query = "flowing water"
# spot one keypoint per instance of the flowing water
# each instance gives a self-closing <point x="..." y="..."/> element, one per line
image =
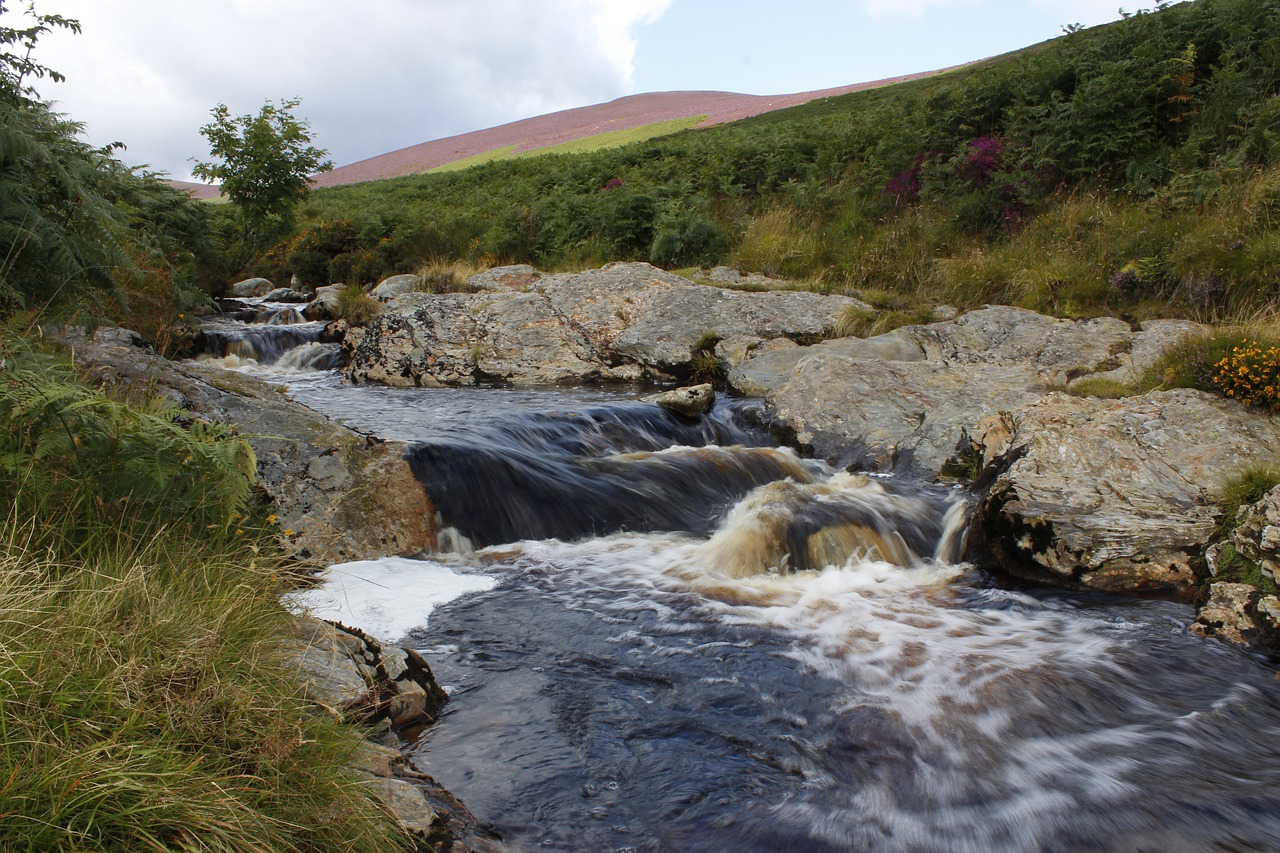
<point x="668" y="635"/>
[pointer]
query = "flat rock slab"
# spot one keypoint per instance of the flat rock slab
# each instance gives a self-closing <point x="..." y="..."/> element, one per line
<point x="624" y="322"/>
<point x="1114" y="494"/>
<point x="906" y="399"/>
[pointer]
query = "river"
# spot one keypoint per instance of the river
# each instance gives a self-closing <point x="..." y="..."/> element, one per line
<point x="671" y="636"/>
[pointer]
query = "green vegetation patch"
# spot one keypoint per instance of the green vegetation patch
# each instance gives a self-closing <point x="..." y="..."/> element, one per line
<point x="149" y="700"/>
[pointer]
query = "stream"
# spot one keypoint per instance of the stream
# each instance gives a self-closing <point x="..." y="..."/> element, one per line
<point x="663" y="634"/>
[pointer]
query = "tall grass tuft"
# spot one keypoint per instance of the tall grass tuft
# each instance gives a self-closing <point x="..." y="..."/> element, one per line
<point x="147" y="702"/>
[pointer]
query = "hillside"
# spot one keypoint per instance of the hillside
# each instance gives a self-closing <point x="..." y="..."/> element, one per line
<point x="1130" y="167"/>
<point x="582" y="123"/>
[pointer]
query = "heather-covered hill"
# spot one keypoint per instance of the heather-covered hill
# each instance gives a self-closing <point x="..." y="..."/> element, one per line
<point x="703" y="109"/>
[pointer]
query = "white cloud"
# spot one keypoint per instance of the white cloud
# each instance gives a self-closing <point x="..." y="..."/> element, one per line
<point x="373" y="76"/>
<point x="909" y="8"/>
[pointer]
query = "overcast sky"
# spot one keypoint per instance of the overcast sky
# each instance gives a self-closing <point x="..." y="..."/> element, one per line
<point x="377" y="75"/>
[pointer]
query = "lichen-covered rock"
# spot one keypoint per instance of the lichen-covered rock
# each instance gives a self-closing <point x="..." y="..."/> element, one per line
<point x="624" y="322"/>
<point x="325" y="304"/>
<point x="1240" y="614"/>
<point x="1114" y="494"/>
<point x="1257" y="535"/>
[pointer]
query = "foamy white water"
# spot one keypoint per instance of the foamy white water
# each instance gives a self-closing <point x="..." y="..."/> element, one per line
<point x="387" y="598"/>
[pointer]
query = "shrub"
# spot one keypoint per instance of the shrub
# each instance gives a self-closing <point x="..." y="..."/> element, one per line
<point x="357" y="307"/>
<point x="1237" y="364"/>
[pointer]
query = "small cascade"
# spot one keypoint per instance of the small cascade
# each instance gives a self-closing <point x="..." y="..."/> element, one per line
<point x="279" y="315"/>
<point x="641" y="469"/>
<point x="251" y="333"/>
<point x="569" y="475"/>
<point x="794" y="526"/>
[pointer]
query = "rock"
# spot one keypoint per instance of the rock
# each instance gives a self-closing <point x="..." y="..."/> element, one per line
<point x="735" y="278"/>
<point x="342" y="495"/>
<point x="404" y="802"/>
<point x="1154" y="338"/>
<point x="286" y="294"/>
<point x="501" y="279"/>
<point x="250" y="287"/>
<point x="1113" y="494"/>
<point x="624" y="322"/>
<point x="691" y="401"/>
<point x="325" y="304"/>
<point x="1257" y="535"/>
<point x="1240" y="614"/>
<point x="905" y="399"/>
<point x="350" y="673"/>
<point x="389" y="288"/>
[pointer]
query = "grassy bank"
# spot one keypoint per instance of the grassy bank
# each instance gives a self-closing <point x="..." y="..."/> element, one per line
<point x="146" y="703"/>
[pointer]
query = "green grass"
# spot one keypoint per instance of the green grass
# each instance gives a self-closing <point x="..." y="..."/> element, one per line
<point x="585" y="145"/>
<point x="504" y="153"/>
<point x="147" y="701"/>
<point x="617" y="138"/>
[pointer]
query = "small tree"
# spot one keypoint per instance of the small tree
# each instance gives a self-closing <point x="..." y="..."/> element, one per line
<point x="263" y="162"/>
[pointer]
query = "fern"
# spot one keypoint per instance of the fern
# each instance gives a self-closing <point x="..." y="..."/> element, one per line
<point x="68" y="448"/>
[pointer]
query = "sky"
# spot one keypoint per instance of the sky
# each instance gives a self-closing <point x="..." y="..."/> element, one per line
<point x="377" y="75"/>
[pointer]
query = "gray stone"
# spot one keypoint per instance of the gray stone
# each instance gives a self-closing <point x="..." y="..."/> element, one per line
<point x="325" y="304"/>
<point x="502" y="279"/>
<point x="341" y="495"/>
<point x="905" y="399"/>
<point x="691" y="401"/>
<point x="406" y="803"/>
<point x="250" y="287"/>
<point x="389" y="288"/>
<point x="286" y="294"/>
<point x="624" y="322"/>
<point x="1114" y="494"/>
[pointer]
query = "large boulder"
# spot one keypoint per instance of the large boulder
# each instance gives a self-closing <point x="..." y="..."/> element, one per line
<point x="624" y="322"/>
<point x="389" y="288"/>
<point x="1114" y="494"/>
<point x="250" y="288"/>
<point x="904" y="400"/>
<point x="342" y="495"/>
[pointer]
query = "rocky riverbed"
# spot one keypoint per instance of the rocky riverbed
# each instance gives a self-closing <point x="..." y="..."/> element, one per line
<point x="1112" y="495"/>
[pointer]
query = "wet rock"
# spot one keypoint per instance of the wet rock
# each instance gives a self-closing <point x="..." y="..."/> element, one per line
<point x="389" y="288"/>
<point x="691" y="401"/>
<point x="341" y="495"/>
<point x="1114" y="494"/>
<point x="286" y="294"/>
<point x="624" y="322"/>
<point x="347" y="672"/>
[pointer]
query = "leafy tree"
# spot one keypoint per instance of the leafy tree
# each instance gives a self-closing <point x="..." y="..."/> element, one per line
<point x="17" y="45"/>
<point x="263" y="162"/>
